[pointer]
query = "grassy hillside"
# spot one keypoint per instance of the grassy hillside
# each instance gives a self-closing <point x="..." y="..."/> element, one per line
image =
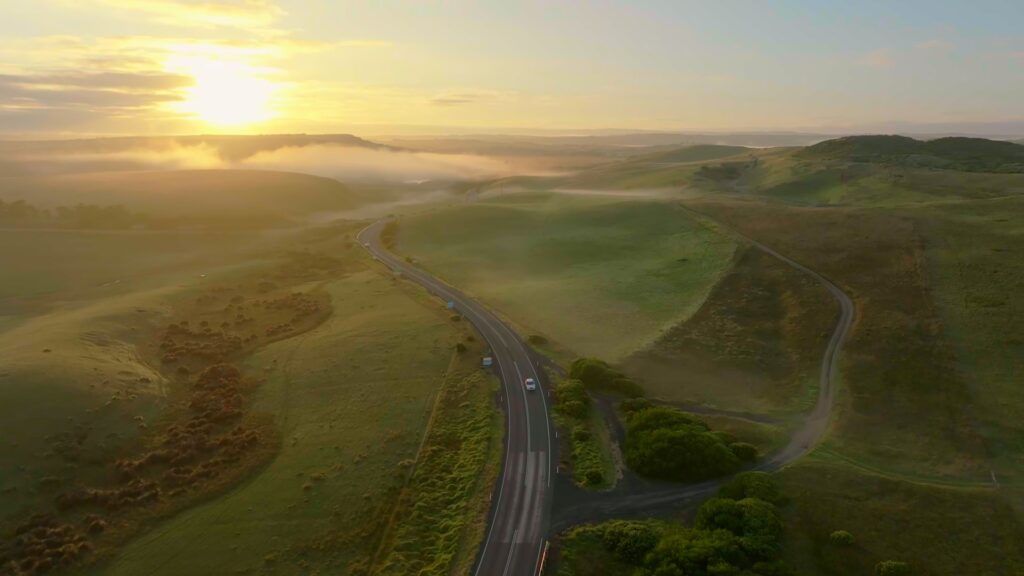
<point x="955" y="153"/>
<point x="673" y="167"/>
<point x="598" y="276"/>
<point x="84" y="384"/>
<point x="344" y="454"/>
<point x="754" y="345"/>
<point x="206" y="195"/>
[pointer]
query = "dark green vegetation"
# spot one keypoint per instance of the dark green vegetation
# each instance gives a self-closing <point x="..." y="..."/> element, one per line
<point x="755" y="344"/>
<point x="586" y="435"/>
<point x="599" y="376"/>
<point x="729" y="536"/>
<point x="669" y="444"/>
<point x="960" y="154"/>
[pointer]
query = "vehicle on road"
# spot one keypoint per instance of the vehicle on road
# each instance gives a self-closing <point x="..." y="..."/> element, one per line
<point x="530" y="384"/>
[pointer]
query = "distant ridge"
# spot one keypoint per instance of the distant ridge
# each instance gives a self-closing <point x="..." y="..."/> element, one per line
<point x="230" y="147"/>
<point x="954" y="153"/>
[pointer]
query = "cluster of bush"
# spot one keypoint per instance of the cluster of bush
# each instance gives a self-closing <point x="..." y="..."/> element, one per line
<point x="42" y="544"/>
<point x="739" y="532"/>
<point x="572" y="409"/>
<point x="666" y="443"/>
<point x="598" y="375"/>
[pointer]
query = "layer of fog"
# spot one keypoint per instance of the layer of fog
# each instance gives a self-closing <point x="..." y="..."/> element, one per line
<point x="344" y="163"/>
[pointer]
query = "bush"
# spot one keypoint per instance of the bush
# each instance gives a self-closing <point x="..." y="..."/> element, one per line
<point x="892" y="568"/>
<point x="760" y="485"/>
<point x="755" y="522"/>
<point x="669" y="444"/>
<point x="841" y="538"/>
<point x="696" y="552"/>
<point x="460" y="347"/>
<point x="571" y="399"/>
<point x="630" y="540"/>
<point x="599" y="375"/>
<point x="745" y="452"/>
<point x="593" y="478"/>
<point x="634" y="405"/>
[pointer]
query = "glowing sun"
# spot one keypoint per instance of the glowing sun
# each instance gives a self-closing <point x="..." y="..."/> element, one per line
<point x="227" y="93"/>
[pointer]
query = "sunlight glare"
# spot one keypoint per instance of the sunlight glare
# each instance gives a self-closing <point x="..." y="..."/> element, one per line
<point x="226" y="92"/>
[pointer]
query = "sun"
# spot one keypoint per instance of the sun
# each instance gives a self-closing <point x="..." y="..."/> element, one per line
<point x="226" y="93"/>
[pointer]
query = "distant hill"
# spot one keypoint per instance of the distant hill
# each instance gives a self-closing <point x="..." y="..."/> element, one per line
<point x="697" y="153"/>
<point x="954" y="153"/>
<point x="214" y="195"/>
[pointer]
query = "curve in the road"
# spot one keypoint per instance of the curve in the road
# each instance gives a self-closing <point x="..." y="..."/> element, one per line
<point x="810" y="433"/>
<point x="521" y="501"/>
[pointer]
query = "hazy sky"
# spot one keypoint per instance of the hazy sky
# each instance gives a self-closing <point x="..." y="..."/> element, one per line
<point x="172" y="66"/>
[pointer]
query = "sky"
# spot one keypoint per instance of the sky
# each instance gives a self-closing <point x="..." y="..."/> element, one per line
<point x="147" y="67"/>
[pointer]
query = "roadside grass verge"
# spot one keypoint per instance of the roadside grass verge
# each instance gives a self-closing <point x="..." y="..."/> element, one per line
<point x="442" y="513"/>
<point x="585" y="434"/>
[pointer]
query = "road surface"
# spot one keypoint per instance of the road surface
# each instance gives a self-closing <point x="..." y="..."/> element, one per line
<point x="521" y="504"/>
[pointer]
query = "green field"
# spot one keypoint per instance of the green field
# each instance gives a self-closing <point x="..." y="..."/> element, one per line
<point x="338" y="469"/>
<point x="596" y="276"/>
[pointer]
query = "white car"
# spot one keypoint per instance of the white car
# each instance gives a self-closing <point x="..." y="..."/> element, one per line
<point x="530" y="384"/>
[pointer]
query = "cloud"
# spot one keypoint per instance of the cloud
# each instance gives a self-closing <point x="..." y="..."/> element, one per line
<point x="92" y="90"/>
<point x="467" y="97"/>
<point x="1017" y="55"/>
<point x="238" y="13"/>
<point x="880" y="59"/>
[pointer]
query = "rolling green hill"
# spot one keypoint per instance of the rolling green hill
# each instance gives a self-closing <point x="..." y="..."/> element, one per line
<point x="954" y="153"/>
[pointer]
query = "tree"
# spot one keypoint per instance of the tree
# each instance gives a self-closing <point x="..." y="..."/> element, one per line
<point x="630" y="540"/>
<point x="752" y="485"/>
<point x="755" y="522"/>
<point x="841" y="538"/>
<point x="744" y="451"/>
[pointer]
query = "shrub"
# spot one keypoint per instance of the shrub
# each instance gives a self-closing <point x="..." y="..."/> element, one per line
<point x="666" y="443"/>
<point x="696" y="552"/>
<point x="580" y="434"/>
<point x="571" y="399"/>
<point x="593" y="478"/>
<point x="536" y="340"/>
<point x="755" y="522"/>
<point x="460" y="347"/>
<point x="744" y="451"/>
<point x="634" y="404"/>
<point x="841" y="538"/>
<point x="892" y="568"/>
<point x="599" y="375"/>
<point x="630" y="540"/>
<point x="759" y="485"/>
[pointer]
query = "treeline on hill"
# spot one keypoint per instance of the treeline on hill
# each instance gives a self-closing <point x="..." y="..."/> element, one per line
<point x="739" y="532"/>
<point x="20" y="214"/>
<point x="964" y="154"/>
<point x="661" y="442"/>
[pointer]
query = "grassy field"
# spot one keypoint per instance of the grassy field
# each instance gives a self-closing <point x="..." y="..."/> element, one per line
<point x="597" y="276"/>
<point x="83" y="385"/>
<point x="337" y="474"/>
<point x="940" y="531"/>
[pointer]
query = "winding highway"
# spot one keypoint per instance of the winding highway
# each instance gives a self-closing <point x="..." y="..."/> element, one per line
<point x="521" y="509"/>
<point x="521" y="505"/>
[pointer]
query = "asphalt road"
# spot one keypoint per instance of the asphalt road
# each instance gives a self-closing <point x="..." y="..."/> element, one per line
<point x="521" y="504"/>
